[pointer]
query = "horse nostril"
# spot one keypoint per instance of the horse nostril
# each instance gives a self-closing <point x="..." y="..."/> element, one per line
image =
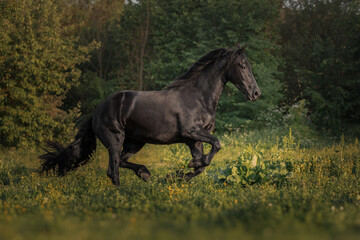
<point x="256" y="94"/>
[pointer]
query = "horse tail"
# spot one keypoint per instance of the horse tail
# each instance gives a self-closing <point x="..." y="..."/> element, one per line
<point x="61" y="159"/>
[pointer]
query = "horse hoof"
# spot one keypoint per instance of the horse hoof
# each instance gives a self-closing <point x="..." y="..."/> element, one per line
<point x="145" y="176"/>
<point x="116" y="182"/>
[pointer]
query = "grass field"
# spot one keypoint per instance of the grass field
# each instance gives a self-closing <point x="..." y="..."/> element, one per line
<point x="273" y="188"/>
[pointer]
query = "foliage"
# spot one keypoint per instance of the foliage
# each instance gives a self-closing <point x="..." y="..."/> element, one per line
<point x="319" y="200"/>
<point x="321" y="55"/>
<point x="38" y="65"/>
<point x="255" y="165"/>
<point x="282" y="163"/>
<point x="91" y="91"/>
<point x="97" y="22"/>
<point x="256" y="171"/>
<point x="280" y="119"/>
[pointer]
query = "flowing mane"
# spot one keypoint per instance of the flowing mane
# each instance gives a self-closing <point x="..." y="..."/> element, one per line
<point x="221" y="55"/>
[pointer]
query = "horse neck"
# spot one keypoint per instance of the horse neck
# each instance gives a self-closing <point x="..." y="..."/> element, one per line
<point x="210" y="84"/>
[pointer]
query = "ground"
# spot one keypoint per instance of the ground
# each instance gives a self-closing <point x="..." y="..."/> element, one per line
<point x="254" y="189"/>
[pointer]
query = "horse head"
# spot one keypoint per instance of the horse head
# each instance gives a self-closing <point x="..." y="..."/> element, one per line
<point x="240" y="74"/>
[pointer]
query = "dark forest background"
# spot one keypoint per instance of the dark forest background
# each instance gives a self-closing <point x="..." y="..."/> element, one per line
<point x="59" y="59"/>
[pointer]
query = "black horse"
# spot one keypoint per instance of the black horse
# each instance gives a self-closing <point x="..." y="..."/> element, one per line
<point x="184" y="112"/>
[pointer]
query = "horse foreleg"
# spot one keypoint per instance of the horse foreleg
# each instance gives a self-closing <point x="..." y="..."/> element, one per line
<point x="201" y="135"/>
<point x="197" y="152"/>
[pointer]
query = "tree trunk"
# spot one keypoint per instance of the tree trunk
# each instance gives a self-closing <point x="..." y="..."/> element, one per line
<point x="143" y="40"/>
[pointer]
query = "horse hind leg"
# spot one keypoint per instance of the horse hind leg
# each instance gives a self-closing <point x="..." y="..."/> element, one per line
<point x="113" y="140"/>
<point x="131" y="148"/>
<point x="114" y="162"/>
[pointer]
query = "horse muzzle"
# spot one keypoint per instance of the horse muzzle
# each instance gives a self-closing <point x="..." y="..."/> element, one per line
<point x="255" y="94"/>
<point x="252" y="96"/>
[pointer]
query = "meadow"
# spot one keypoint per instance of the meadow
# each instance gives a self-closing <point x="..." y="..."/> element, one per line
<point x="258" y="186"/>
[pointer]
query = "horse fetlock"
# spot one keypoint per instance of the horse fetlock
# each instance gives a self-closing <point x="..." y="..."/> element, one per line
<point x="206" y="163"/>
<point x="115" y="180"/>
<point x="109" y="173"/>
<point x="192" y="162"/>
<point x="217" y="145"/>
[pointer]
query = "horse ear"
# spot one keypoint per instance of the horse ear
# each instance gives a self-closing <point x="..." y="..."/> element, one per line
<point x="241" y="49"/>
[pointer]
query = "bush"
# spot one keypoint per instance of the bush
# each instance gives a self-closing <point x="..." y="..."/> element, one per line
<point x="38" y="65"/>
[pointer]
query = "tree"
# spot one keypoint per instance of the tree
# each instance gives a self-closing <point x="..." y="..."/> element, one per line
<point x="322" y="59"/>
<point x="97" y="22"/>
<point x="133" y="41"/>
<point x="38" y="65"/>
<point x="94" y="20"/>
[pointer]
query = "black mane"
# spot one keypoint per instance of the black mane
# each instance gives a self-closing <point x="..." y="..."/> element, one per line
<point x="190" y="76"/>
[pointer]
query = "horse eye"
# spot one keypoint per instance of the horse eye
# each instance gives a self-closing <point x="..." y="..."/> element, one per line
<point x="242" y="65"/>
